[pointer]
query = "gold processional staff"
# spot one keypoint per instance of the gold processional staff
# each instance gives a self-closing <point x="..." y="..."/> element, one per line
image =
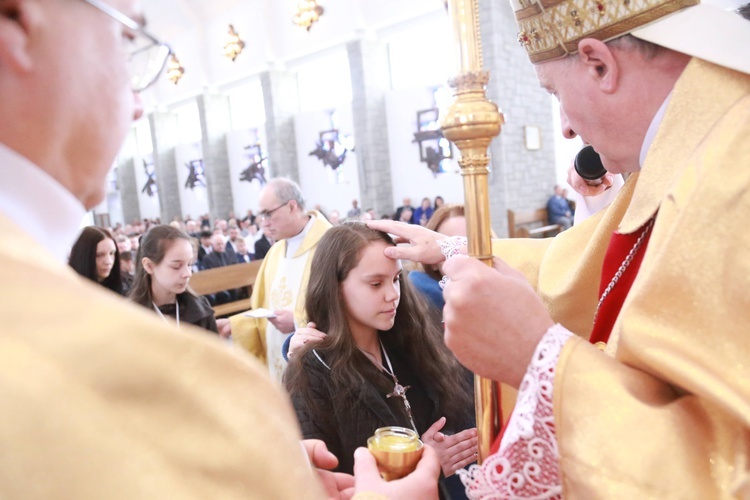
<point x="471" y="122"/>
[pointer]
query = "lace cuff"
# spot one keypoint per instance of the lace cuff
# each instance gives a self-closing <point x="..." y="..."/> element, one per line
<point x="526" y="466"/>
<point x="450" y="247"/>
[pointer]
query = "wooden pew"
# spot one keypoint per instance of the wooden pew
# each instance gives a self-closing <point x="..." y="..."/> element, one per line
<point x="227" y="278"/>
<point x="530" y="224"/>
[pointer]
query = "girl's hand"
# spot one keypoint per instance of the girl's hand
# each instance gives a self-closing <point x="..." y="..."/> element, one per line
<point x="303" y="336"/>
<point x="454" y="452"/>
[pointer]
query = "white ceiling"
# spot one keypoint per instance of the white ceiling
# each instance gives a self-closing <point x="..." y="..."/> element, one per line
<point x="196" y="30"/>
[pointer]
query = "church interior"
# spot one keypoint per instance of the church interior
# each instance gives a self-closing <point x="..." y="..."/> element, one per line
<point x="343" y="96"/>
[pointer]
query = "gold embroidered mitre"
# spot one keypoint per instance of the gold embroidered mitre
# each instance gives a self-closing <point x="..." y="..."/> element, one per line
<point x="551" y="29"/>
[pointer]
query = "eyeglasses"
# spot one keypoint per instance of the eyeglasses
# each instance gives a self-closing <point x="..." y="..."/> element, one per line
<point x="147" y="56"/>
<point x="266" y="214"/>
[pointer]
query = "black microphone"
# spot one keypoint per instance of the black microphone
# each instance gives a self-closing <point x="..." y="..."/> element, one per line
<point x="589" y="166"/>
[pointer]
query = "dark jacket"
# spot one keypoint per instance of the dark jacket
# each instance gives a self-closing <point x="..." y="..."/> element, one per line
<point x="193" y="310"/>
<point x="241" y="258"/>
<point x="344" y="424"/>
<point x="216" y="259"/>
<point x="262" y="246"/>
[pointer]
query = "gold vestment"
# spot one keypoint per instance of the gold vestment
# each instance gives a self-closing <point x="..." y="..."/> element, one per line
<point x="667" y="413"/>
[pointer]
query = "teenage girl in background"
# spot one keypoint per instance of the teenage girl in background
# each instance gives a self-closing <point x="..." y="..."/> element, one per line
<point x="164" y="266"/>
<point x="95" y="256"/>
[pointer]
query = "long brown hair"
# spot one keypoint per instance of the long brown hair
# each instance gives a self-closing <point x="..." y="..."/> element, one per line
<point x="154" y="245"/>
<point x="412" y="335"/>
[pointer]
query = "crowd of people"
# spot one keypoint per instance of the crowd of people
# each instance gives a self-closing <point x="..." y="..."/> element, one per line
<point x="109" y="398"/>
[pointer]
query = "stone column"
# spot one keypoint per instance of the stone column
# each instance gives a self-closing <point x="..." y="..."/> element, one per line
<point x="128" y="186"/>
<point x="215" y="123"/>
<point x="281" y="99"/>
<point x="369" y="67"/>
<point x="164" y="138"/>
<point x="520" y="179"/>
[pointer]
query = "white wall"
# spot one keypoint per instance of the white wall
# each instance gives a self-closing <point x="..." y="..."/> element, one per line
<point x="245" y="194"/>
<point x="320" y="184"/>
<point x="411" y="177"/>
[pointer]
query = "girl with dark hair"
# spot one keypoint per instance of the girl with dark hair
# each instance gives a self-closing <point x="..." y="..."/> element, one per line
<point x="164" y="266"/>
<point x="382" y="363"/>
<point x="95" y="256"/>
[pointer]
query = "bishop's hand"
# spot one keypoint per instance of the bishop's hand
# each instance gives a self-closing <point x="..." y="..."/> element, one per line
<point x="493" y="318"/>
<point x="423" y="242"/>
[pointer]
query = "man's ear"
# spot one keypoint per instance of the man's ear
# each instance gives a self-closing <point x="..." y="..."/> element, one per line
<point x="15" y="20"/>
<point x="601" y="62"/>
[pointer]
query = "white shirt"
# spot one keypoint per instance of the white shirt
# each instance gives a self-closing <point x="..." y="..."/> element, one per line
<point x="38" y="203"/>
<point x="293" y="243"/>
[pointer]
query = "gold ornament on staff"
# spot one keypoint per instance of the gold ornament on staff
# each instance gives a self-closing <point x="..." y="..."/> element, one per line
<point x="471" y="122"/>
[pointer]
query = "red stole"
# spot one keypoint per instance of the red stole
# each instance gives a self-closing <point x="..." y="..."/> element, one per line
<point x="620" y="245"/>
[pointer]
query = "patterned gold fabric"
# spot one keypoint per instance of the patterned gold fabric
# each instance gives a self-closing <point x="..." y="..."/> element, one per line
<point x="669" y="415"/>
<point x="550" y="29"/>
<point x="100" y="399"/>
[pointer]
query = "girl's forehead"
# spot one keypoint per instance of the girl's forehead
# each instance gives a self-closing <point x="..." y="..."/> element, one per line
<point x="179" y="246"/>
<point x="373" y="260"/>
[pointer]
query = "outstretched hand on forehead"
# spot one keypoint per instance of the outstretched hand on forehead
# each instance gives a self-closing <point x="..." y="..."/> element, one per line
<point x="423" y="242"/>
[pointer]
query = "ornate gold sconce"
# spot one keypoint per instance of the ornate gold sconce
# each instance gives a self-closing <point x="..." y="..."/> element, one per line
<point x="433" y="148"/>
<point x="308" y="13"/>
<point x="233" y="45"/>
<point x="174" y="69"/>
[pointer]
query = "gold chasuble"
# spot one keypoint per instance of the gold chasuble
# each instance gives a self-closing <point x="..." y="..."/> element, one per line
<point x="100" y="399"/>
<point x="251" y="333"/>
<point x="676" y="375"/>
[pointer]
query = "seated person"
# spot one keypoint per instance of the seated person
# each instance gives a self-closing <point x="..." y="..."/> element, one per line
<point x="558" y="210"/>
<point x="220" y="257"/>
<point x="127" y="270"/>
<point x="423" y="212"/>
<point x="241" y="252"/>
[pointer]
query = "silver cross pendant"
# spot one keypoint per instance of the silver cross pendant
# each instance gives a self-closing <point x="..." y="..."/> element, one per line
<point x="399" y="391"/>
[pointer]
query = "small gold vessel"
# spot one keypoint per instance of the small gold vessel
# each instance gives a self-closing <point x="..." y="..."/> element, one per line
<point x="397" y="451"/>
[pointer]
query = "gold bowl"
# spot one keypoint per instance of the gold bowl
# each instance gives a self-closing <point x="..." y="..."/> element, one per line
<point x="397" y="451"/>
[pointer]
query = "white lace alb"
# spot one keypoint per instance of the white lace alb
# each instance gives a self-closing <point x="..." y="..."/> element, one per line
<point x="450" y="247"/>
<point x="526" y="466"/>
